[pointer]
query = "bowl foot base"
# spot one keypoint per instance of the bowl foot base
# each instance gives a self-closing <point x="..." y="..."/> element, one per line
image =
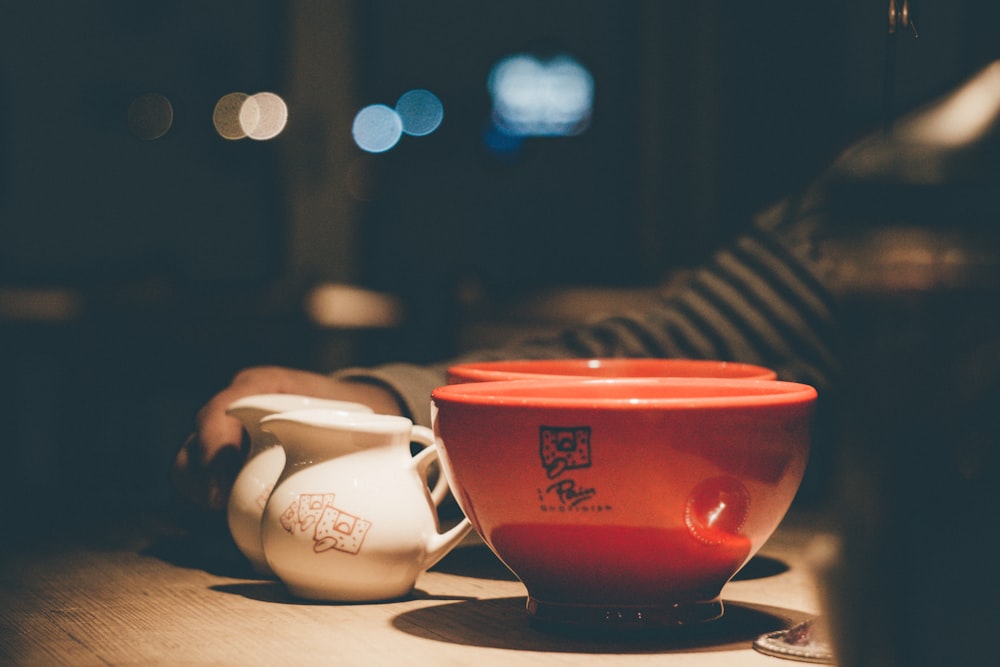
<point x="624" y="616"/>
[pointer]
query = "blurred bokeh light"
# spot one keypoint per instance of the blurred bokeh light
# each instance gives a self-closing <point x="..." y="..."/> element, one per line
<point x="420" y="111"/>
<point x="226" y="116"/>
<point x="261" y="116"/>
<point x="541" y="97"/>
<point x="340" y="306"/>
<point x="150" y="116"/>
<point x="377" y="128"/>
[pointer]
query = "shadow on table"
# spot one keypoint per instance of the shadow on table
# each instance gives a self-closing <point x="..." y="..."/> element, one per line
<point x="761" y="567"/>
<point x="504" y="623"/>
<point x="275" y="592"/>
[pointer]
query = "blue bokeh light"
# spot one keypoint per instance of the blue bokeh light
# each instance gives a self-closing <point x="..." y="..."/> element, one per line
<point x="421" y="112"/>
<point x="377" y="128"/>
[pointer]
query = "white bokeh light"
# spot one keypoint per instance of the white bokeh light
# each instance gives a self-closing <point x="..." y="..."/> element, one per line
<point x="263" y="116"/>
<point x="541" y="97"/>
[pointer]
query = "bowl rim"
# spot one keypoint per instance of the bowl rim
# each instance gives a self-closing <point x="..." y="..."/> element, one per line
<point x="525" y="393"/>
<point x="510" y="369"/>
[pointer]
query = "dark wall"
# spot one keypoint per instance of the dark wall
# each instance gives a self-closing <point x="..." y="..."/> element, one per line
<point x="165" y="248"/>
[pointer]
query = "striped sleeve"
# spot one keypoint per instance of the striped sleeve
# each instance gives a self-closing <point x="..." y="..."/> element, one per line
<point x="755" y="302"/>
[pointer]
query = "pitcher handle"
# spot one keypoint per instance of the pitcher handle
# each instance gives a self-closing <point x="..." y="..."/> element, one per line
<point x="439" y="544"/>
<point x="425" y="438"/>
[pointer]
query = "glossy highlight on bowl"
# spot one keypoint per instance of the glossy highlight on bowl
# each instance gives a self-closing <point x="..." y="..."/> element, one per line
<point x="627" y="502"/>
<point x="527" y="369"/>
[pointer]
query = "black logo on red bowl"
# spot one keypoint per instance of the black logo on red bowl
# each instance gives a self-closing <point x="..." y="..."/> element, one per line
<point x="564" y="448"/>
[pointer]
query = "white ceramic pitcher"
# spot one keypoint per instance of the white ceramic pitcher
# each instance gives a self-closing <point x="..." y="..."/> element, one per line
<point x="264" y="463"/>
<point x="351" y="517"/>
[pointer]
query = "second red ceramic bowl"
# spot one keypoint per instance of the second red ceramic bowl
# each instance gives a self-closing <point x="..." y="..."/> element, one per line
<point x="526" y="369"/>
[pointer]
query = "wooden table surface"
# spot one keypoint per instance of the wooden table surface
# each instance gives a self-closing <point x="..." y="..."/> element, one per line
<point x="143" y="591"/>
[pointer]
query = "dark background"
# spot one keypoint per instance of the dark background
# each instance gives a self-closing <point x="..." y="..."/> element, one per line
<point x="188" y="256"/>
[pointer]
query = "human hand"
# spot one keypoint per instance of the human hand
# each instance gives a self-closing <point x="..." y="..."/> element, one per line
<point x="210" y="458"/>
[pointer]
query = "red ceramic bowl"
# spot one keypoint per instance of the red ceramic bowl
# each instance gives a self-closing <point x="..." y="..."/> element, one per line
<point x="628" y="502"/>
<point x="526" y="369"/>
